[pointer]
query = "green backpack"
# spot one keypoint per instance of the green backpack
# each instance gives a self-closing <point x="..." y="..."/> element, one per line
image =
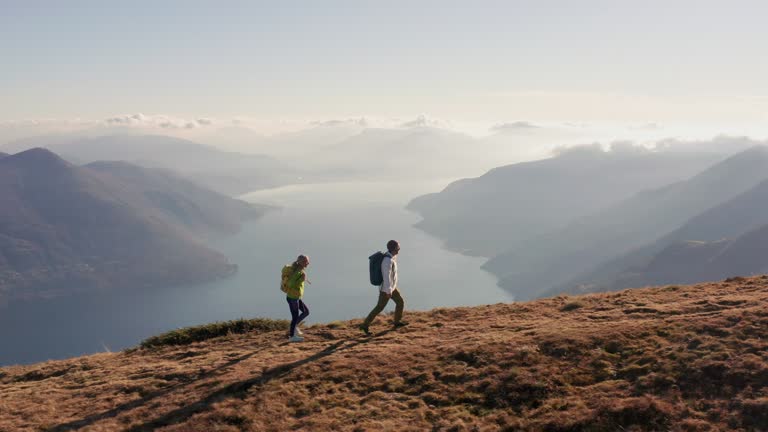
<point x="286" y="278"/>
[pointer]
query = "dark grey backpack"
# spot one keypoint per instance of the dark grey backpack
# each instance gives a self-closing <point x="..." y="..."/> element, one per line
<point x="374" y="268"/>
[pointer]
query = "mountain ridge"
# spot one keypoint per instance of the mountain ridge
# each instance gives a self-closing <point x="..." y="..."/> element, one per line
<point x="67" y="228"/>
<point x="226" y="172"/>
<point x="509" y="205"/>
<point x="696" y="261"/>
<point x="183" y="201"/>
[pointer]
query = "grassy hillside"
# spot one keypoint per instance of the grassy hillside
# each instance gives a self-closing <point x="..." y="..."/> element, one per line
<point x="690" y="358"/>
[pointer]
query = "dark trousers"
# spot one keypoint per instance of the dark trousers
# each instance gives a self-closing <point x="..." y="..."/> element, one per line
<point x="382" y="303"/>
<point x="295" y="306"/>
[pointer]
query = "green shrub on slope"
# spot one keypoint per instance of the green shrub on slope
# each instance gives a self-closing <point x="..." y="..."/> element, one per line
<point x="199" y="333"/>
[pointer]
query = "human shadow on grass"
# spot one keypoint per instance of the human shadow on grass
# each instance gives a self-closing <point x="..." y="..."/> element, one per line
<point x="77" y="424"/>
<point x="240" y="388"/>
<point x="233" y="389"/>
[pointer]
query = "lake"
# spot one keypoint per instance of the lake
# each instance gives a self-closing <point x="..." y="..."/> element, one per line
<point x="338" y="225"/>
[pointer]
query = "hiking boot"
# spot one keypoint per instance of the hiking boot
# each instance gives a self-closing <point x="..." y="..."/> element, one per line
<point x="296" y="338"/>
<point x="299" y="332"/>
<point x="400" y="324"/>
<point x="365" y="330"/>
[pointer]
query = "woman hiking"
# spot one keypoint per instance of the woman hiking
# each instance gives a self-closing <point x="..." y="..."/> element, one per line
<point x="293" y="279"/>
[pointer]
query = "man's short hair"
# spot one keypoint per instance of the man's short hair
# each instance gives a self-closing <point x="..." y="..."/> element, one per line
<point x="393" y="245"/>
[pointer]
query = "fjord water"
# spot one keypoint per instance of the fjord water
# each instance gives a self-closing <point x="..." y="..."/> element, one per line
<point x="338" y="225"/>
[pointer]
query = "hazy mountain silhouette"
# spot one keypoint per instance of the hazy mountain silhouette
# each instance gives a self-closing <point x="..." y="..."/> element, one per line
<point x="65" y="228"/>
<point x="714" y="228"/>
<point x="414" y="152"/>
<point x="284" y="144"/>
<point x="2" y="155"/>
<point x="179" y="200"/>
<point x="226" y="172"/>
<point x="509" y="205"/>
<point x="351" y="148"/>
<point x="552" y="259"/>
<point x="237" y="139"/>
<point x="330" y="151"/>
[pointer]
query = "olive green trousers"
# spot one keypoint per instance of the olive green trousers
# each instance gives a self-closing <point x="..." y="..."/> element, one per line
<point x="382" y="303"/>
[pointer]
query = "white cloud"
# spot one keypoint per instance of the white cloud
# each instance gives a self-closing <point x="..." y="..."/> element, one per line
<point x="423" y="121"/>
<point x="133" y="119"/>
<point x="514" y="127"/>
<point x="357" y="122"/>
<point x="719" y="143"/>
<point x="581" y="149"/>
<point x="647" y="127"/>
<point x="140" y="120"/>
<point x="627" y="148"/>
<point x="615" y="147"/>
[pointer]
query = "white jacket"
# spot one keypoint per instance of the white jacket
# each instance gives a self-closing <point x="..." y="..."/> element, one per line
<point x="389" y="271"/>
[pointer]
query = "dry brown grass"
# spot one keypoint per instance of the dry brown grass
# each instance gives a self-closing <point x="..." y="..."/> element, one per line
<point x="687" y="358"/>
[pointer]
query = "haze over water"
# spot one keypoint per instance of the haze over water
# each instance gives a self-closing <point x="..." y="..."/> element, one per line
<point x="338" y="225"/>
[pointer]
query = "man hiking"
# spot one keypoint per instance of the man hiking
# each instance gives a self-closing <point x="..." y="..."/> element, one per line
<point x="292" y="284"/>
<point x="388" y="289"/>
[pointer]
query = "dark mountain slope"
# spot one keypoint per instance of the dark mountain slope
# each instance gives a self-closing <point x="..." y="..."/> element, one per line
<point x="727" y="221"/>
<point x="65" y="228"/>
<point x="698" y="261"/>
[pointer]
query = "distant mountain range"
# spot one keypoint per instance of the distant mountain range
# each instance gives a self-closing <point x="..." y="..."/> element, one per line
<point x="284" y="145"/>
<point x="702" y="223"/>
<point x="510" y="205"/>
<point x="559" y="255"/>
<point x="236" y="159"/>
<point x="67" y="228"/>
<point x="225" y="172"/>
<point x="420" y="152"/>
<point x="320" y="154"/>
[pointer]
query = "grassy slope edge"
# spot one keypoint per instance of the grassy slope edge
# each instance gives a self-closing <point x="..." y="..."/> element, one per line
<point x="687" y="358"/>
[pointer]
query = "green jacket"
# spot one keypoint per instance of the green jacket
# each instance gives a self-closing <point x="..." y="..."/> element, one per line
<point x="296" y="285"/>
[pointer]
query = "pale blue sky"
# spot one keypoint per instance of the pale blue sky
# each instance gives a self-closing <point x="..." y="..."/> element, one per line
<point x="474" y="60"/>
